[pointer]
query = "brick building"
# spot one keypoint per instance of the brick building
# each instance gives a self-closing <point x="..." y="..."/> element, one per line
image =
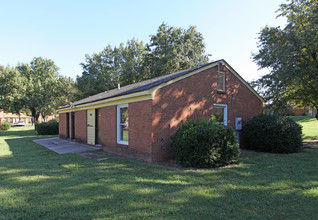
<point x="47" y="118"/>
<point x="138" y="120"/>
<point x="14" y="118"/>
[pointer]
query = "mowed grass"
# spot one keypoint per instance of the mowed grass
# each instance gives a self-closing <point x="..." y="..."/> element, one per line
<point x="39" y="184"/>
<point x="310" y="126"/>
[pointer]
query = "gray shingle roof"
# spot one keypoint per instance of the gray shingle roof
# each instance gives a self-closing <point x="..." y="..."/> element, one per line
<point x="136" y="87"/>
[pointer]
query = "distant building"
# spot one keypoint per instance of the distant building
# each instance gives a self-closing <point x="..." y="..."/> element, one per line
<point x="47" y="118"/>
<point x="14" y="118"/>
<point x="299" y="111"/>
<point x="312" y="112"/>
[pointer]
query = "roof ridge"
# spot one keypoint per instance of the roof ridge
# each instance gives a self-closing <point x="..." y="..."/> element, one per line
<point x="136" y="87"/>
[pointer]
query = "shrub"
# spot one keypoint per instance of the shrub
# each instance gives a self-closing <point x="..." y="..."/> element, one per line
<point x="272" y="133"/>
<point x="203" y="144"/>
<point x="45" y="128"/>
<point x="36" y="124"/>
<point x="5" y="125"/>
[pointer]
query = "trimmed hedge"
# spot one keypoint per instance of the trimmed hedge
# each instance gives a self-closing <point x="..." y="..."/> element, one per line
<point x="204" y="144"/>
<point x="272" y="133"/>
<point x="5" y="125"/>
<point x="36" y="124"/>
<point x="47" y="128"/>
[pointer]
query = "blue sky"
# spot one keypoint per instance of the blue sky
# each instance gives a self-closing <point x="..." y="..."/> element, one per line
<point x="65" y="31"/>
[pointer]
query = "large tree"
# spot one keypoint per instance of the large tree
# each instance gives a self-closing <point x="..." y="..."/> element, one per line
<point x="12" y="89"/>
<point x="173" y="49"/>
<point x="112" y="66"/>
<point x="170" y="50"/>
<point x="45" y="89"/>
<point x="131" y="62"/>
<point x="290" y="53"/>
<point x="99" y="73"/>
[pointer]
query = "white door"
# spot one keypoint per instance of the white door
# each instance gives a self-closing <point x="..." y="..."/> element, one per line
<point x="91" y="126"/>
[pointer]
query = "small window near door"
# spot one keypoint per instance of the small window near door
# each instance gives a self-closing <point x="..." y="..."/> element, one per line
<point x="122" y="124"/>
<point x="220" y="112"/>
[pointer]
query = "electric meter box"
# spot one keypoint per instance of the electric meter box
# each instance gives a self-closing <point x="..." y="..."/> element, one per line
<point x="238" y="124"/>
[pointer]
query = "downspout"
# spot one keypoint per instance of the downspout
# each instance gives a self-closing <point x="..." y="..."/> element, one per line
<point x="232" y="109"/>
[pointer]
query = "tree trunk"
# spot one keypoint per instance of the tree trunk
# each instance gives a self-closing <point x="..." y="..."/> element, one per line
<point x="35" y="114"/>
<point x="43" y="116"/>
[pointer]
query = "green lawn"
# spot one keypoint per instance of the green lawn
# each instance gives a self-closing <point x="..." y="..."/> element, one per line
<point x="310" y="126"/>
<point x="36" y="183"/>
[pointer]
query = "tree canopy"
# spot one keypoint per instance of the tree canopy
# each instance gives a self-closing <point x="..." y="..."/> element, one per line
<point x="169" y="50"/>
<point x="119" y="65"/>
<point x="36" y="86"/>
<point x="290" y="53"/>
<point x="173" y="49"/>
<point x="12" y="88"/>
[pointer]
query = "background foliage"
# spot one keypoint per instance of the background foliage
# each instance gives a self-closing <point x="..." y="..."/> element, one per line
<point x="290" y="53"/>
<point x="36" y="87"/>
<point x="169" y="50"/>
<point x="272" y="133"/>
<point x="47" y="128"/>
<point x="5" y="125"/>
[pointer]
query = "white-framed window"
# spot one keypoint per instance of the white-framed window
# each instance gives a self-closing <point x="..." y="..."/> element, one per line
<point x="220" y="112"/>
<point x="122" y="124"/>
<point x="221" y="81"/>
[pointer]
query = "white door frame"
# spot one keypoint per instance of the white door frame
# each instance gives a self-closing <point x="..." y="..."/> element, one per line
<point x="224" y="106"/>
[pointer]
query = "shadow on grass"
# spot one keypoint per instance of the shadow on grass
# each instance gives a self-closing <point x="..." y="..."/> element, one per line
<point x="24" y="133"/>
<point x="302" y="119"/>
<point x="308" y="137"/>
<point x="38" y="183"/>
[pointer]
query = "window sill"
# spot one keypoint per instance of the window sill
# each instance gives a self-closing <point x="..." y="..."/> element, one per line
<point x="122" y="142"/>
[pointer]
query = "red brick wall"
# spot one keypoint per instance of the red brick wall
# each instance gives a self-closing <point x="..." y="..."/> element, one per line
<point x="62" y="125"/>
<point x="300" y="112"/>
<point x="175" y="102"/>
<point x="108" y="129"/>
<point x="81" y="126"/>
<point x="139" y="114"/>
<point x="47" y="118"/>
<point x="140" y="124"/>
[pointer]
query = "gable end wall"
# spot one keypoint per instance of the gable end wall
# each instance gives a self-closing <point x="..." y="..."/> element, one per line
<point x="173" y="103"/>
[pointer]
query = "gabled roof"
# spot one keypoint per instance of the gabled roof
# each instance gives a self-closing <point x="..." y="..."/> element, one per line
<point x="152" y="83"/>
